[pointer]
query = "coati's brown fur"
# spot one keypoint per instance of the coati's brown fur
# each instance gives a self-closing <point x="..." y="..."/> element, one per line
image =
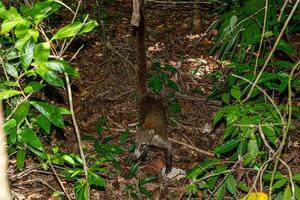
<point x="153" y="132"/>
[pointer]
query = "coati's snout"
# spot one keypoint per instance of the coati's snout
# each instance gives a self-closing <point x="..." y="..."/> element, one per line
<point x="143" y="139"/>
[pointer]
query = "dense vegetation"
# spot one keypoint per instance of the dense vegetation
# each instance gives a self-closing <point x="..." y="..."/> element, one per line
<point x="254" y="42"/>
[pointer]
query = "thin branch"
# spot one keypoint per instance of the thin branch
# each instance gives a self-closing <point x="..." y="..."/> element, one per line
<point x="59" y="181"/>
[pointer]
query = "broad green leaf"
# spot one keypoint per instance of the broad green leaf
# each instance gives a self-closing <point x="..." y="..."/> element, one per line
<point x="225" y="98"/>
<point x="69" y="30"/>
<point x="296" y="177"/>
<point x="21" y="111"/>
<point x="64" y="111"/>
<point x="61" y="66"/>
<point x="155" y="83"/>
<point x="9" y="126"/>
<point x="8" y="24"/>
<point x="278" y="184"/>
<point x="270" y="133"/>
<point x="221" y="192"/>
<point x="218" y="116"/>
<point x="236" y="93"/>
<point x="170" y="68"/>
<point x="27" y="53"/>
<point x="69" y="159"/>
<point x="49" y="76"/>
<point x="42" y="9"/>
<point x="42" y="52"/>
<point x="22" y="29"/>
<point x="37" y="152"/>
<point x="10" y="83"/>
<point x="44" y="123"/>
<point x="172" y="85"/>
<point x="51" y="112"/>
<point x="11" y="70"/>
<point x="95" y="179"/>
<point x="231" y="185"/>
<point x="20" y="158"/>
<point x="33" y="86"/>
<point x="227" y="146"/>
<point x="134" y="196"/>
<point x="278" y="175"/>
<point x="283" y="63"/>
<point x="285" y="47"/>
<point x="29" y="136"/>
<point x="88" y="26"/>
<point x="287" y="194"/>
<point x="201" y="168"/>
<point x="5" y="94"/>
<point x="243" y="186"/>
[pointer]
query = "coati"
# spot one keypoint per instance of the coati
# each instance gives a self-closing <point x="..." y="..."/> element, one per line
<point x="153" y="131"/>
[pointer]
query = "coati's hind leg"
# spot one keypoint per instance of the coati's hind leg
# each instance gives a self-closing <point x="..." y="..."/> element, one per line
<point x="168" y="159"/>
<point x="144" y="156"/>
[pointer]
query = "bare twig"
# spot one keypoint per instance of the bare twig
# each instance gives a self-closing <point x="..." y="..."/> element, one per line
<point x="208" y="153"/>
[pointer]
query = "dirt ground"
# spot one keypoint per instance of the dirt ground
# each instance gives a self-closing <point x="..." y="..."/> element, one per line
<point x="106" y="62"/>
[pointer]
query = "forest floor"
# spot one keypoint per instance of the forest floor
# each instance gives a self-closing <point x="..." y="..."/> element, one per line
<point x="106" y="89"/>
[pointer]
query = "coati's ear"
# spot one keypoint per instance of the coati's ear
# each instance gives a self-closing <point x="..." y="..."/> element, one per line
<point x="151" y="132"/>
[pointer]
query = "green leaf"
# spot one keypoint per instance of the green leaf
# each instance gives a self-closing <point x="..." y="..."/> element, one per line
<point x="283" y="63"/>
<point x="20" y="158"/>
<point x="287" y="194"/>
<point x="218" y="116"/>
<point x="227" y="146"/>
<point x="147" y="180"/>
<point x="8" y="24"/>
<point x="221" y="192"/>
<point x="80" y="188"/>
<point x="175" y="108"/>
<point x="296" y="177"/>
<point x="22" y="29"/>
<point x="21" y="111"/>
<point x="42" y="9"/>
<point x="144" y="191"/>
<point x="69" y="30"/>
<point x="95" y="179"/>
<point x="124" y="136"/>
<point x="155" y="83"/>
<point x="231" y="185"/>
<point x="172" y="85"/>
<point x="33" y="86"/>
<point x="236" y="93"/>
<point x="61" y="66"/>
<point x="49" y="76"/>
<point x="285" y="47"/>
<point x="134" y="196"/>
<point x="225" y="98"/>
<point x="88" y="26"/>
<point x="269" y="131"/>
<point x="9" y="126"/>
<point x="297" y="192"/>
<point x="11" y="70"/>
<point x="27" y="53"/>
<point x="44" y="123"/>
<point x="5" y="94"/>
<point x="29" y="136"/>
<point x="51" y="112"/>
<point x="68" y="159"/>
<point x="233" y="21"/>
<point x="278" y="184"/>
<point x="243" y="186"/>
<point x="42" y="52"/>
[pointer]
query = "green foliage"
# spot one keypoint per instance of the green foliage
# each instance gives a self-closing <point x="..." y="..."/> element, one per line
<point x="255" y="120"/>
<point x="25" y="59"/>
